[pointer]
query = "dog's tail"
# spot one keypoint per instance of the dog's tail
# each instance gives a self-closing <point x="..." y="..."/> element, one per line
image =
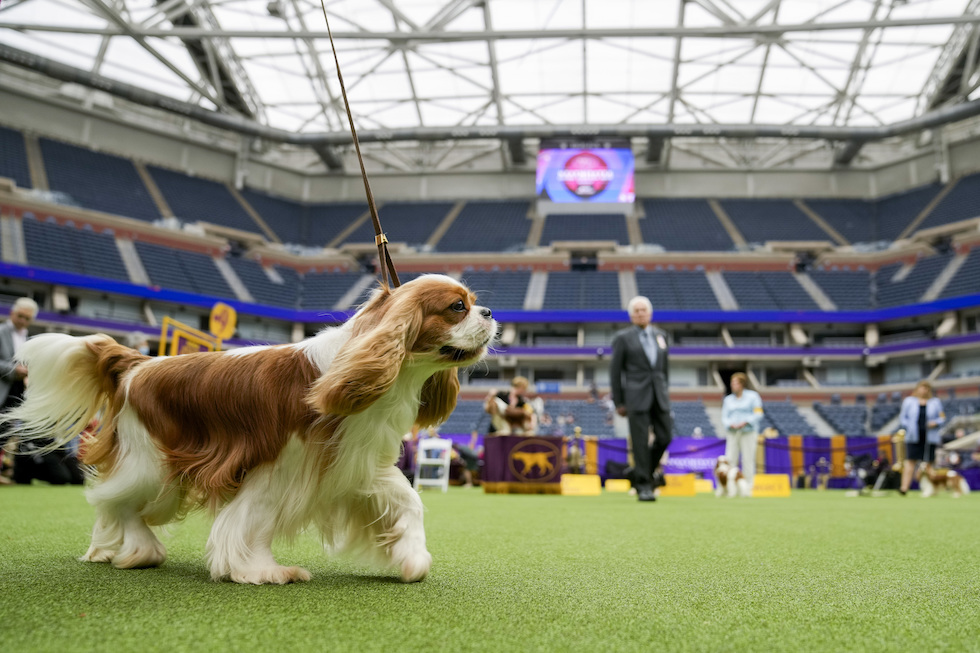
<point x="70" y="382"/>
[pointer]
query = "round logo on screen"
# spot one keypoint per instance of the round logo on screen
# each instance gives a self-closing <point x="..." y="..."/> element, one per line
<point x="585" y="174"/>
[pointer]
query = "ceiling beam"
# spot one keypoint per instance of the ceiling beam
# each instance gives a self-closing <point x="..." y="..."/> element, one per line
<point x="722" y="32"/>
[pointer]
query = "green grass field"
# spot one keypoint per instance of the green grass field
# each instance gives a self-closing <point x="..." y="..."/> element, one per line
<point x="816" y="572"/>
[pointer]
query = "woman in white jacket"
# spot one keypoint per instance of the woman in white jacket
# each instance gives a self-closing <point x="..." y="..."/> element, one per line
<point x="741" y="413"/>
<point x="921" y="416"/>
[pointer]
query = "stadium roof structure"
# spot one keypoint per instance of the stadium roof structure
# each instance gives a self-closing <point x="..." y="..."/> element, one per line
<point x="443" y="85"/>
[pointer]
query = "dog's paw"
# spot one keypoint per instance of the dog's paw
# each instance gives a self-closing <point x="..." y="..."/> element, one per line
<point x="141" y="557"/>
<point x="416" y="568"/>
<point x="98" y="555"/>
<point x="411" y="558"/>
<point x="271" y="576"/>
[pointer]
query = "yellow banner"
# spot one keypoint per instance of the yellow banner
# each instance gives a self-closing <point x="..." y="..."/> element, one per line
<point x="617" y="485"/>
<point x="678" y="485"/>
<point x="581" y="485"/>
<point x="838" y="453"/>
<point x="770" y="485"/>
<point x="796" y="453"/>
<point x="703" y="486"/>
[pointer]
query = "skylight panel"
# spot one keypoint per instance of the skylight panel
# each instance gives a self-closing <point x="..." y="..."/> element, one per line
<point x="541" y="15"/>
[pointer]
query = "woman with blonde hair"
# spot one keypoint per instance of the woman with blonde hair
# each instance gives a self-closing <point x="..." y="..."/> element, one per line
<point x="741" y="413"/>
<point x="922" y="415"/>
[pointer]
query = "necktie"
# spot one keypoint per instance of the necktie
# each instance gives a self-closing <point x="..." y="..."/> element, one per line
<point x="649" y="347"/>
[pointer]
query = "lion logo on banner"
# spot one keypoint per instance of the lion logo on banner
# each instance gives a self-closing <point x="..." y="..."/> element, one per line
<point x="534" y="460"/>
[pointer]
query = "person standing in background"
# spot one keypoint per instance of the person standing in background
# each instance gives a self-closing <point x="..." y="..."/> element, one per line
<point x="58" y="466"/>
<point x="921" y="416"/>
<point x="638" y="374"/>
<point x="741" y="413"/>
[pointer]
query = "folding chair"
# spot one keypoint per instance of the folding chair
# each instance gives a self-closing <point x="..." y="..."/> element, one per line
<point x="432" y="464"/>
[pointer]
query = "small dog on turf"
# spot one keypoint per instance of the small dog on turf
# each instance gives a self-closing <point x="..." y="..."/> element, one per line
<point x="272" y="439"/>
<point x="932" y="479"/>
<point x="729" y="480"/>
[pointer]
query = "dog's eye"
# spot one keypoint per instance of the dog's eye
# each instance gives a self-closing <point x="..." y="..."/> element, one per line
<point x="458" y="306"/>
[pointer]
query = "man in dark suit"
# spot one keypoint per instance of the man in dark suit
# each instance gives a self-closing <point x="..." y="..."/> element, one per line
<point x="32" y="461"/>
<point x="638" y="374"/>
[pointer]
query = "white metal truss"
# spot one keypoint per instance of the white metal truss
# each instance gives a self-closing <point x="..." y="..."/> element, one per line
<point x="496" y="65"/>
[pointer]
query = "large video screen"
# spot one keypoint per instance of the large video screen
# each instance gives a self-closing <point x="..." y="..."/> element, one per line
<point x="585" y="172"/>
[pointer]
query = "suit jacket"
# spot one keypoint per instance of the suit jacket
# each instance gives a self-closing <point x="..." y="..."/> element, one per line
<point x="635" y="383"/>
<point x="7" y="365"/>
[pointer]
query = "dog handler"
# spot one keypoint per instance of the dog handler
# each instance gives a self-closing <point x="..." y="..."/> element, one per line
<point x="741" y="413"/>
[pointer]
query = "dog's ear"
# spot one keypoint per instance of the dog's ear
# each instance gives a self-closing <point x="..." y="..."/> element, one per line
<point x="438" y="398"/>
<point x="368" y="364"/>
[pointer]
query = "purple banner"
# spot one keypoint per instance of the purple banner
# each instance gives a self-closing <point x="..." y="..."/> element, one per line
<point x="693" y="455"/>
<point x="519" y="459"/>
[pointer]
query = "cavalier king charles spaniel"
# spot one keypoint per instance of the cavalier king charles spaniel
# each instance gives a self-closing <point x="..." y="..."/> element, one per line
<point x="931" y="479"/>
<point x="273" y="439"/>
<point x="729" y="480"/>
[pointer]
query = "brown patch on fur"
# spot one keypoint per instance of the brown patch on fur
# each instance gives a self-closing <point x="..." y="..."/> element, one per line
<point x="722" y="478"/>
<point x="112" y="362"/>
<point x="438" y="398"/>
<point x="940" y="478"/>
<point x="217" y="416"/>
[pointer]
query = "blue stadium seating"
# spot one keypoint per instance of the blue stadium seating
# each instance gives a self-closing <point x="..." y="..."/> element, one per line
<point x="195" y="199"/>
<point x="181" y="270"/>
<point x="468" y="417"/>
<point x="676" y="289"/>
<point x="13" y="157"/>
<point x="590" y="416"/>
<point x="850" y="290"/>
<point x="65" y="248"/>
<point x="285" y="217"/>
<point x="883" y="412"/>
<point x="768" y="290"/>
<point x="785" y="418"/>
<point x="689" y="415"/>
<point x="98" y="181"/>
<point x="327" y="221"/>
<point x="263" y="290"/>
<point x="49" y="246"/>
<point x="577" y="290"/>
<point x="895" y="212"/>
<point x="910" y="289"/>
<point x="487" y="226"/>
<point x="404" y="222"/>
<point x="684" y="225"/>
<point x="966" y="281"/>
<point x="586" y="226"/>
<point x="961" y="203"/>
<point x="761" y="220"/>
<point x="322" y="290"/>
<point x="499" y="290"/>
<point x="967" y="406"/>
<point x="852" y="219"/>
<point x="845" y="420"/>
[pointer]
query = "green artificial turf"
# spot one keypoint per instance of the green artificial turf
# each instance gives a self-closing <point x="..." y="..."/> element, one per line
<point x="817" y="572"/>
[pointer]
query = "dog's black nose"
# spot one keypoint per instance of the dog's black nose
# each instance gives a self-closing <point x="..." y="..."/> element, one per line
<point x="486" y="312"/>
